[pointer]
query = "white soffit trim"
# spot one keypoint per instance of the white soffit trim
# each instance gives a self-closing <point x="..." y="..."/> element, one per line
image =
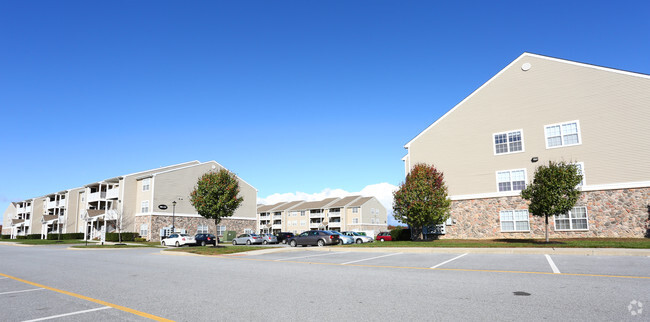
<point x="526" y="54"/>
<point x="186" y="215"/>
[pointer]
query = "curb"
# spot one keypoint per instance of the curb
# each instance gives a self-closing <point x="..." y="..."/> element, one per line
<point x="454" y="250"/>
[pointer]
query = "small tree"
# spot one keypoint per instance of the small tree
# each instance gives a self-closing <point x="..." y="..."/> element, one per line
<point x="554" y="190"/>
<point x="215" y="195"/>
<point x="422" y="198"/>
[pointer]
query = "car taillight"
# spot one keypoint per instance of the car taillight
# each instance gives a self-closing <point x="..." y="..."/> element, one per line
<point x="209" y="239"/>
<point x="183" y="239"/>
<point x="331" y="236"/>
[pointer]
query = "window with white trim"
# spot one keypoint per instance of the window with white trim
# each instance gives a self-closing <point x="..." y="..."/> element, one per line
<point x="372" y="220"/>
<point x="508" y="142"/>
<point x="355" y="220"/>
<point x="144" y="206"/>
<point x="511" y="180"/>
<point x="575" y="219"/>
<point x="221" y="230"/>
<point x="248" y="231"/>
<point x="144" y="230"/>
<point x="202" y="229"/>
<point x="355" y="210"/>
<point x="581" y="171"/>
<point x="303" y="222"/>
<point x="563" y="134"/>
<point x="302" y="213"/>
<point x="145" y="184"/>
<point x="514" y="220"/>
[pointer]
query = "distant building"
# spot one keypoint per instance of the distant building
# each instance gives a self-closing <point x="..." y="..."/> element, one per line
<point x="540" y="109"/>
<point x="341" y="214"/>
<point x="132" y="199"/>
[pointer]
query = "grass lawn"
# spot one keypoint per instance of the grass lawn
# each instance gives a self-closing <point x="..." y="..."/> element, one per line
<point x="219" y="250"/>
<point x="486" y="243"/>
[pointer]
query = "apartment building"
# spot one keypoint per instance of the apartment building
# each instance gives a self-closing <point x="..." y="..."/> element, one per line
<point x="147" y="202"/>
<point x="540" y="109"/>
<point x="349" y="213"/>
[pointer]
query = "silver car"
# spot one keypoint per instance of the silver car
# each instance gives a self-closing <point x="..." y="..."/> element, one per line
<point x="358" y="238"/>
<point x="343" y="239"/>
<point x="269" y="239"/>
<point x="247" y="239"/>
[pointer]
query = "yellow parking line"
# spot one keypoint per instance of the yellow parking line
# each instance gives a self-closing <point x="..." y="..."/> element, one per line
<point x="447" y="269"/>
<point x="115" y="306"/>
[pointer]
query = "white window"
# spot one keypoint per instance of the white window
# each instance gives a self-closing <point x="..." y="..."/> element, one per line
<point x="372" y="220"/>
<point x="355" y="210"/>
<point x="302" y="213"/>
<point x="202" y="229"/>
<point x="144" y="206"/>
<point x="294" y="213"/>
<point x="144" y="230"/>
<point x="295" y="223"/>
<point x="166" y="231"/>
<point x="511" y="180"/>
<point x="355" y="220"/>
<point x="563" y="134"/>
<point x="221" y="230"/>
<point x="248" y="231"/>
<point x="576" y="219"/>
<point x="303" y="222"/>
<point x="514" y="220"/>
<point x="581" y="171"/>
<point x="145" y="184"/>
<point x="509" y="142"/>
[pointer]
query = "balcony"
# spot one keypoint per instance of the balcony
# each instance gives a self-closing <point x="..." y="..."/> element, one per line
<point x="96" y="196"/>
<point x="277" y="216"/>
<point x="267" y="216"/>
<point x="315" y="224"/>
<point x="113" y="193"/>
<point x="316" y="215"/>
<point x="277" y="226"/>
<point x="62" y="203"/>
<point x="22" y="209"/>
<point x="336" y="224"/>
<point x="334" y="214"/>
<point x="51" y="204"/>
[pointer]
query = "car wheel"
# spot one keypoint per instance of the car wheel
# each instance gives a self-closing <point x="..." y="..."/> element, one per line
<point x="359" y="241"/>
<point x="163" y="243"/>
<point x="234" y="242"/>
<point x="293" y="243"/>
<point x="340" y="241"/>
<point x="321" y="243"/>
<point x="381" y="239"/>
<point x="203" y="243"/>
<point x="248" y="242"/>
<point x="284" y="241"/>
<point x="265" y="242"/>
<point x="177" y="244"/>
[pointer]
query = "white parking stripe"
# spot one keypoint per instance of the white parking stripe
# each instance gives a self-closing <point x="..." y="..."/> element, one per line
<point x="1" y="278"/>
<point x="367" y="259"/>
<point x="445" y="262"/>
<point x="331" y="253"/>
<point x="68" y="314"/>
<point x="550" y="262"/>
<point x="29" y="290"/>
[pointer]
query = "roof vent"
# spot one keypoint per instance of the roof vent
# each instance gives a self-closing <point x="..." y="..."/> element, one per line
<point x="526" y="66"/>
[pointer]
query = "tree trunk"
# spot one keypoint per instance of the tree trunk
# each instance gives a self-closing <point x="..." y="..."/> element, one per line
<point x="546" y="216"/>
<point x="216" y="234"/>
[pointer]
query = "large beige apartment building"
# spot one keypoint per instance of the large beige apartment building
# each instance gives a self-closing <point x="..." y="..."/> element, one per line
<point x="355" y="213"/>
<point x="540" y="109"/>
<point x="134" y="200"/>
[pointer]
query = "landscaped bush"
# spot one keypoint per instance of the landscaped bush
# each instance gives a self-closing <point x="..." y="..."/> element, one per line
<point x="140" y="239"/>
<point x="400" y="233"/>
<point x="65" y="236"/>
<point x="115" y="237"/>
<point x="5" y="236"/>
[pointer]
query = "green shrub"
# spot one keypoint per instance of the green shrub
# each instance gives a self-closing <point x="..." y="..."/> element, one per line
<point x="65" y="236"/>
<point x="140" y="239"/>
<point x="5" y="236"/>
<point x="115" y="237"/>
<point x="400" y="233"/>
<point x="30" y="236"/>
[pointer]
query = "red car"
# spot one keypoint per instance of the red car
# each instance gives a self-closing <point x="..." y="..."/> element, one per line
<point x="384" y="236"/>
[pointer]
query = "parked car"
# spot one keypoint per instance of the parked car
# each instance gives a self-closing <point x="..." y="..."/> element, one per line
<point x="358" y="238"/>
<point x="247" y="239"/>
<point x="283" y="237"/>
<point x="205" y="239"/>
<point x="178" y="239"/>
<point x="383" y="236"/>
<point x="343" y="239"/>
<point x="269" y="239"/>
<point x="314" y="238"/>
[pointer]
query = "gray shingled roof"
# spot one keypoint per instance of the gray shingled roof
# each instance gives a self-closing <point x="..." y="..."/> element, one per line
<point x="316" y="204"/>
<point x="265" y="208"/>
<point x="343" y="202"/>
<point x="359" y="202"/>
<point x="288" y="205"/>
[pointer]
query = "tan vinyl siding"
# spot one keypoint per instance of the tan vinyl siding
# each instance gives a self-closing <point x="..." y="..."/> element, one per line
<point x="613" y="110"/>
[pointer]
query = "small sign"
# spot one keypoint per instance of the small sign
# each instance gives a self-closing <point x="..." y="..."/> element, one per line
<point x="162" y="207"/>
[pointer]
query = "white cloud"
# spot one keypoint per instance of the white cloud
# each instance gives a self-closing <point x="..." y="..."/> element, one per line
<point x="382" y="191"/>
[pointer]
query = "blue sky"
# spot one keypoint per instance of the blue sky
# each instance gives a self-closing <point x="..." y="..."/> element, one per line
<point x="296" y="97"/>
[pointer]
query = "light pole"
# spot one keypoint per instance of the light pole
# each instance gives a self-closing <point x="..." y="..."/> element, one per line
<point x="173" y="214"/>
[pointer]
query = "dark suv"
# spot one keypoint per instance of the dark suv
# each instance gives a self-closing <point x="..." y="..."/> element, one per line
<point x="205" y="239"/>
<point x="284" y="237"/>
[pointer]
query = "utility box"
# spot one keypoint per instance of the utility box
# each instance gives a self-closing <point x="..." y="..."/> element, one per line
<point x="230" y="235"/>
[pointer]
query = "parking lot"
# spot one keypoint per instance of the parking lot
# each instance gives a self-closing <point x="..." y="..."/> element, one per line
<point x="56" y="283"/>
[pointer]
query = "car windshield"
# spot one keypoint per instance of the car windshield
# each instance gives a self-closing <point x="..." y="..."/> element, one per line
<point x="254" y="235"/>
<point x="184" y="235"/>
<point x="356" y="233"/>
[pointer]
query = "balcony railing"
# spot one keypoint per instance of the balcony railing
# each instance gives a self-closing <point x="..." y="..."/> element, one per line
<point x="95" y="196"/>
<point x="334" y="224"/>
<point x="316" y="215"/>
<point x="334" y="214"/>
<point x="264" y="216"/>
<point x="315" y="224"/>
<point x="277" y="226"/>
<point x="51" y="204"/>
<point x="277" y="216"/>
<point x="62" y="203"/>
<point x="112" y="193"/>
